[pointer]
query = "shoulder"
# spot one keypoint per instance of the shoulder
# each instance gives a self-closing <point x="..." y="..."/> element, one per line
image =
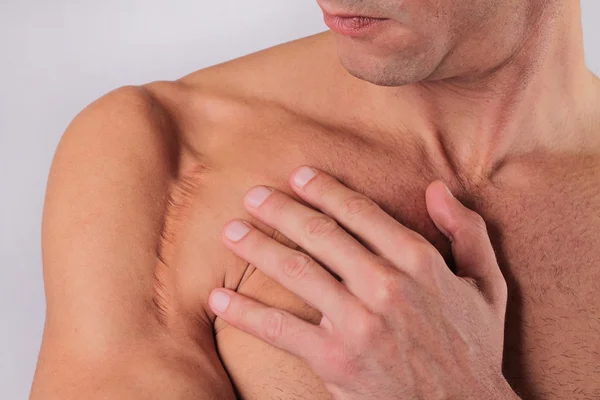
<point x="121" y="114"/>
<point x="279" y="76"/>
<point x="103" y="214"/>
<point x="151" y="124"/>
<point x="124" y="137"/>
<point x="259" y="76"/>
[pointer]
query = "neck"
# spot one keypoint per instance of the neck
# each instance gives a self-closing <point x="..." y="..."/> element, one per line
<point x="535" y="100"/>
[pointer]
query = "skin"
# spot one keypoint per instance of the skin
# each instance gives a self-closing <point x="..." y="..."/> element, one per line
<point x="395" y="326"/>
<point x="504" y="112"/>
<point x="433" y="40"/>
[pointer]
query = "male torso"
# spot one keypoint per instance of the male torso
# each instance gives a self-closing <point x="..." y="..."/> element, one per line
<point x="254" y="120"/>
<point x="145" y="180"/>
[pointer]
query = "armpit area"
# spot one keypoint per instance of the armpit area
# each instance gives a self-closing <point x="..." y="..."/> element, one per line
<point x="179" y="208"/>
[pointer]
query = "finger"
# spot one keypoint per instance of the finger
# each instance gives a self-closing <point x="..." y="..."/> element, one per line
<point x="471" y="246"/>
<point x="361" y="216"/>
<point x="318" y="234"/>
<point x="295" y="270"/>
<point x="276" y="327"/>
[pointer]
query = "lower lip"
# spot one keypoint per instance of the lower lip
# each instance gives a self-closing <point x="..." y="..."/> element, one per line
<point x="352" y="26"/>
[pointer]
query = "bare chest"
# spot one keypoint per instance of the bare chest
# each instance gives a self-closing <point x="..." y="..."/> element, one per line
<point x="544" y="225"/>
<point x="547" y="239"/>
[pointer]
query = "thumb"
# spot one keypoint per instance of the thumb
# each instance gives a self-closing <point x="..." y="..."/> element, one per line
<point x="471" y="246"/>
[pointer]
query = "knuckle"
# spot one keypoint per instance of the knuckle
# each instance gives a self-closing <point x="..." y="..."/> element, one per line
<point x="297" y="265"/>
<point x="358" y="205"/>
<point x="318" y="227"/>
<point x="423" y="256"/>
<point x="387" y="290"/>
<point x="365" y="330"/>
<point x="427" y="266"/>
<point x="274" y="325"/>
<point x="472" y="227"/>
<point x="477" y="222"/>
<point x="360" y="327"/>
<point x="501" y="290"/>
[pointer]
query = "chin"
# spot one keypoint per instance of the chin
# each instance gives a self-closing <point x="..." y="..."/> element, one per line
<point x="390" y="73"/>
<point x="398" y="66"/>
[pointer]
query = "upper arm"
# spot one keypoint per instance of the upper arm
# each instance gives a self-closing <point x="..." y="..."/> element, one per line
<point x="104" y="213"/>
<point x="103" y="216"/>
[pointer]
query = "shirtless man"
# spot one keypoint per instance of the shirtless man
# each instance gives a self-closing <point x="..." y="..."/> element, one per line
<point x="493" y="98"/>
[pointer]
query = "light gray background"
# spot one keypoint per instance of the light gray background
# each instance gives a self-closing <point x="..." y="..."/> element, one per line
<point x="58" y="56"/>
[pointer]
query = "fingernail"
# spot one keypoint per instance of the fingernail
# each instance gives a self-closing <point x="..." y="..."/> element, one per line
<point x="219" y="301"/>
<point x="236" y="230"/>
<point x="303" y="176"/>
<point x="258" y="195"/>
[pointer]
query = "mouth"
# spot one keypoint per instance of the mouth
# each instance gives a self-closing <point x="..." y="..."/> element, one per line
<point x="348" y="23"/>
<point x="352" y="25"/>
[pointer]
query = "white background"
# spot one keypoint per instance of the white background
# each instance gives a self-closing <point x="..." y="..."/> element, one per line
<point x="58" y="56"/>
